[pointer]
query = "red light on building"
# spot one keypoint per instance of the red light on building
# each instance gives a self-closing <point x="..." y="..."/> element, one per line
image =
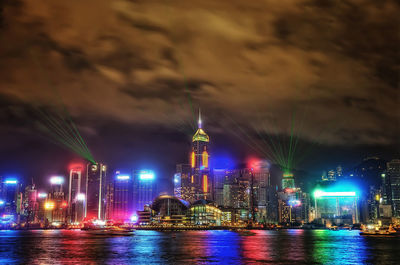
<point x="288" y="190"/>
<point x="254" y="164"/>
<point x="75" y="166"/>
<point x="64" y="204"/>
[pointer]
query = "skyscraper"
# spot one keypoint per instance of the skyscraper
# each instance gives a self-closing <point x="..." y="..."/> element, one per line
<point x="199" y="160"/>
<point x="288" y="181"/>
<point x="178" y="185"/>
<point x="219" y="175"/>
<point x="30" y="203"/>
<point x="76" y="197"/>
<point x="393" y="176"/>
<point x="56" y="196"/>
<point x="184" y="172"/>
<point x="144" y="188"/>
<point x="8" y="198"/>
<point x="95" y="191"/>
<point x="122" y="199"/>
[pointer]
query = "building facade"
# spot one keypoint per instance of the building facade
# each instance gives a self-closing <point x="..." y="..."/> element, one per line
<point x="200" y="179"/>
<point x="95" y="196"/>
<point x="144" y="188"/>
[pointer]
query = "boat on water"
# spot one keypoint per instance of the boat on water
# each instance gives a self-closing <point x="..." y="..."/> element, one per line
<point x="112" y="231"/>
<point x="375" y="230"/>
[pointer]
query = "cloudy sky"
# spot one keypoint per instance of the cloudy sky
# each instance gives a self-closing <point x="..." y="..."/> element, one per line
<point x="131" y="74"/>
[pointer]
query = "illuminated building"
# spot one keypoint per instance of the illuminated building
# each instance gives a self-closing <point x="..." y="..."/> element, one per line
<point x="247" y="190"/>
<point x="31" y="206"/>
<point x="178" y="185"/>
<point x="109" y="200"/>
<point x="393" y="192"/>
<point x="185" y="190"/>
<point x="144" y="188"/>
<point x="220" y="175"/>
<point x="76" y="208"/>
<point x="122" y="199"/>
<point x="9" y="188"/>
<point x="59" y="212"/>
<point x="332" y="175"/>
<point x="204" y="212"/>
<point x="259" y="182"/>
<point x="373" y="201"/>
<point x="201" y="182"/>
<point x="144" y="217"/>
<point x="336" y="206"/>
<point x="293" y="206"/>
<point x="272" y="204"/>
<point x="95" y="196"/>
<point x="169" y="210"/>
<point x="288" y="181"/>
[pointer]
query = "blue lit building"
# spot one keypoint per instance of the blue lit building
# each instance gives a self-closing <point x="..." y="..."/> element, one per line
<point x="178" y="185"/>
<point x="9" y="190"/>
<point x="144" y="188"/>
<point x="122" y="199"/>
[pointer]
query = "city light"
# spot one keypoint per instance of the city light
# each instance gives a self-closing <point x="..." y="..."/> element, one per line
<point x="1" y="202"/>
<point x="56" y="180"/>
<point x="49" y="205"/>
<point x="177" y="177"/>
<point x="134" y="218"/>
<point x="56" y="224"/>
<point x="205" y="159"/>
<point x="42" y="195"/>
<point x="294" y="203"/>
<point x="193" y="160"/>
<point x="123" y="177"/>
<point x="319" y="194"/>
<point x="254" y="164"/>
<point x="99" y="222"/>
<point x="146" y="175"/>
<point x="288" y="175"/>
<point x="10" y="181"/>
<point x="80" y="197"/>
<point x="205" y="183"/>
<point x="8" y="216"/>
<point x="64" y="204"/>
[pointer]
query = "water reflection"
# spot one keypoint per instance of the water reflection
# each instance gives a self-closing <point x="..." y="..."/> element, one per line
<point x="196" y="247"/>
<point x="338" y="247"/>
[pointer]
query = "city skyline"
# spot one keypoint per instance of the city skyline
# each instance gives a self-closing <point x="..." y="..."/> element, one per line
<point x="199" y="132"/>
<point x="134" y="100"/>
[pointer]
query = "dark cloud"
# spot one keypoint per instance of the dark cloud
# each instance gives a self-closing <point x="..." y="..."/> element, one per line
<point x="150" y="64"/>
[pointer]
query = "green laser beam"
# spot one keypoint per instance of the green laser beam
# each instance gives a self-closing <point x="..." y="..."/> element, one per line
<point x="250" y="138"/>
<point x="57" y="128"/>
<point x="275" y="159"/>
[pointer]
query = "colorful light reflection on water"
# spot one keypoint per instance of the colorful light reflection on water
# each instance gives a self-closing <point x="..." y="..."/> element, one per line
<point x="197" y="247"/>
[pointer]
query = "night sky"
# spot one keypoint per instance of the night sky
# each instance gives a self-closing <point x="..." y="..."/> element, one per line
<point x="133" y="73"/>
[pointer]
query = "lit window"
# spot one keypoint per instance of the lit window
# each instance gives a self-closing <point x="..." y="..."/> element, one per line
<point x="193" y="159"/>
<point x="205" y="183"/>
<point x="205" y="159"/>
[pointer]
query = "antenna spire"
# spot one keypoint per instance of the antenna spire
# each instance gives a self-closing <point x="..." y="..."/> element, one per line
<point x="199" y="122"/>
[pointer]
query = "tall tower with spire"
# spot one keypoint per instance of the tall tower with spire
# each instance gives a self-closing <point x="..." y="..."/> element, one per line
<point x="200" y="167"/>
